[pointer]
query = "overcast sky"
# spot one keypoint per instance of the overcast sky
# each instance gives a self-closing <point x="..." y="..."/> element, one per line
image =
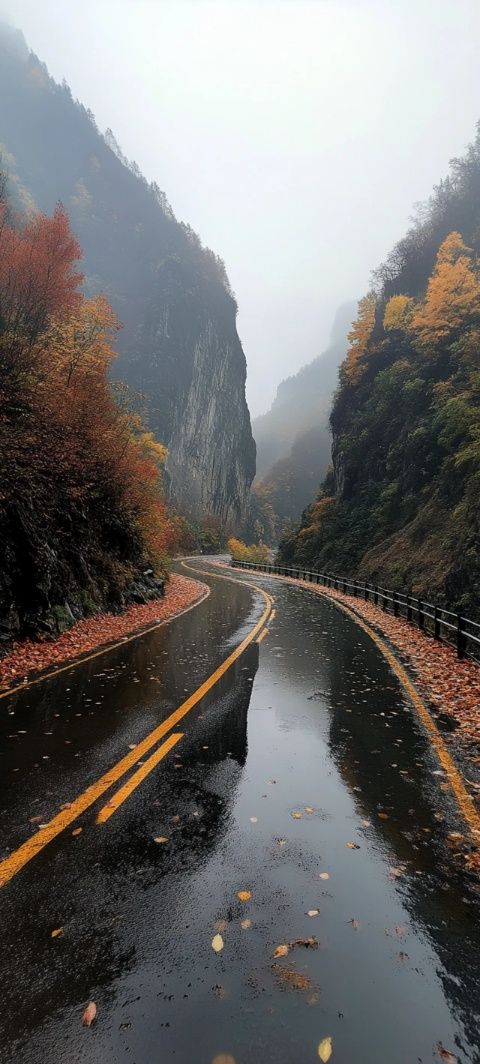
<point x="294" y="136"/>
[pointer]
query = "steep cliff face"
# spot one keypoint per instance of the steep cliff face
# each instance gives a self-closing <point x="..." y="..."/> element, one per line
<point x="179" y="347"/>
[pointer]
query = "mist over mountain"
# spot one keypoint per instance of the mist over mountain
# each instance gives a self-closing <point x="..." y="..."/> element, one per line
<point x="293" y="438"/>
<point x="179" y="346"/>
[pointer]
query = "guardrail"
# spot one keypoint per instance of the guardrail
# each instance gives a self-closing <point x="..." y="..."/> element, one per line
<point x="445" y="625"/>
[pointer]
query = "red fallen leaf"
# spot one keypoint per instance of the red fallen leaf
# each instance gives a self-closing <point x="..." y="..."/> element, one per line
<point x="89" y="1014"/>
<point x="445" y="1054"/>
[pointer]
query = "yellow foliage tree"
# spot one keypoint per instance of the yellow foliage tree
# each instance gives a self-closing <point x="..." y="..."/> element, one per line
<point x="242" y="553"/>
<point x="80" y="345"/>
<point x="452" y="301"/>
<point x="352" y="368"/>
<point x="397" y="313"/>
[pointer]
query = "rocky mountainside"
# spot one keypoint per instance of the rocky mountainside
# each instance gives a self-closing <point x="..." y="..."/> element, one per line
<point x="402" y="505"/>
<point x="293" y="438"/>
<point x="179" y="347"/>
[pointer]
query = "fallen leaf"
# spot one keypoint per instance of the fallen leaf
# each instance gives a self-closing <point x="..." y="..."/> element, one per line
<point x="325" y="1049"/>
<point x="383" y="816"/>
<point x="223" y="1058"/>
<point x="281" y="951"/>
<point x="324" y="875"/>
<point x="445" y="1054"/>
<point x="403" y="956"/>
<point x="309" y="809"/>
<point x="313" y="912"/>
<point x="220" y="925"/>
<point x="308" y="942"/>
<point x="56" y="932"/>
<point x="77" y="831"/>
<point x="217" y="943"/>
<point x="244" y="895"/>
<point x="355" y="924"/>
<point x="89" y="1014"/>
<point x="367" y="823"/>
<point x="282" y="842"/>
<point x="400" y="931"/>
<point x="395" y="872"/>
<point x="246" y="924"/>
<point x="297" y="816"/>
<point x="253" y="819"/>
<point x="352" y="845"/>
<point x="35" y="819"/>
<point x="161" y="838"/>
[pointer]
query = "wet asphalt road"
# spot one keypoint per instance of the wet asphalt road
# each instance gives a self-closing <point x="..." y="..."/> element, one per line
<point x="310" y="721"/>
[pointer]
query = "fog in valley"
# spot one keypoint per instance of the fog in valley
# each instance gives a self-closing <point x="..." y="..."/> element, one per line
<point x="295" y="137"/>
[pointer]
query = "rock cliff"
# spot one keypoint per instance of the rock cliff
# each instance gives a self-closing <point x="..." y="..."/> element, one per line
<point x="179" y="349"/>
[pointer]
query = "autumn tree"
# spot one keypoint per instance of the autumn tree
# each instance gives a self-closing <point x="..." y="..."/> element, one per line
<point x="354" y="365"/>
<point x="452" y="301"/>
<point x="80" y="464"/>
<point x="397" y="313"/>
<point x="38" y="278"/>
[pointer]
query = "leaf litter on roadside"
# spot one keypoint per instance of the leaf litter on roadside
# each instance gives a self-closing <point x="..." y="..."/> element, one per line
<point x="217" y="943"/>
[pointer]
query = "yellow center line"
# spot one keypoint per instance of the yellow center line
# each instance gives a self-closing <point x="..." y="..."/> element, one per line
<point x="134" y="781"/>
<point x="12" y="864"/>
<point x="262" y="635"/>
<point x="273" y="615"/>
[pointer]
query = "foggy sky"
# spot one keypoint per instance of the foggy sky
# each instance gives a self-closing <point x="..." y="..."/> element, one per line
<point x="294" y="136"/>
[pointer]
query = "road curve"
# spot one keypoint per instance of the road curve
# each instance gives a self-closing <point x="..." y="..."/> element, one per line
<point x="277" y="754"/>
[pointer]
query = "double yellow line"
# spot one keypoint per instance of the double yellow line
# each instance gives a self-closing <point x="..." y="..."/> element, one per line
<point x="13" y="864"/>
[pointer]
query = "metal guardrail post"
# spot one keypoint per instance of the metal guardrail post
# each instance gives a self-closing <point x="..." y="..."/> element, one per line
<point x="460" y="637"/>
<point x="436" y="623"/>
<point x="421" y="615"/>
<point x="395" y="604"/>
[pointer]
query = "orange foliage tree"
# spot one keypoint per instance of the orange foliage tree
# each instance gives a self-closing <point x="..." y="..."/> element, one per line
<point x="354" y="364"/>
<point x="70" y="452"/>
